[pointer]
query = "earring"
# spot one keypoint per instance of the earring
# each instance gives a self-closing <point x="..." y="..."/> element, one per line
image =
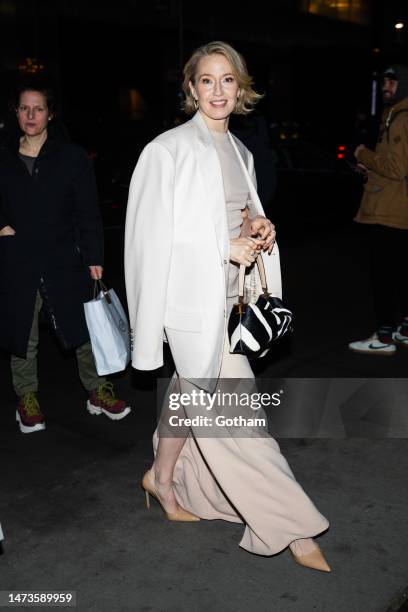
<point x="195" y="104"/>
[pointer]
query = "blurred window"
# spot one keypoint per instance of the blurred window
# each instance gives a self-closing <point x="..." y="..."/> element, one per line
<point x="304" y="156"/>
<point x="132" y="104"/>
<point x="356" y="11"/>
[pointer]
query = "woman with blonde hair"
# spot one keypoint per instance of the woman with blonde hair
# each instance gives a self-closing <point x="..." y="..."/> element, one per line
<point x="193" y="218"/>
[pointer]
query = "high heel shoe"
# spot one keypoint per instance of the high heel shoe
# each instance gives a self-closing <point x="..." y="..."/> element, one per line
<point x="180" y="515"/>
<point x="313" y="560"/>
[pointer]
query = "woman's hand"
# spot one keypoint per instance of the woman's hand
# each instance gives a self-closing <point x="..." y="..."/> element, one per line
<point x="243" y="250"/>
<point x="262" y="227"/>
<point x="7" y="230"/>
<point x="96" y="272"/>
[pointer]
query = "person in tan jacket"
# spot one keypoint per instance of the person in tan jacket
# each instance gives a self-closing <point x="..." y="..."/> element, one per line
<point x="384" y="207"/>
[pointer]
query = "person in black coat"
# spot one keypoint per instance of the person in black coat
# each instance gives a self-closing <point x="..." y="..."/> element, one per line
<point x="51" y="250"/>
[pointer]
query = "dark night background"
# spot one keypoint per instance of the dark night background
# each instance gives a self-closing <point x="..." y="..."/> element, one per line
<point x="70" y="503"/>
<point x="119" y="62"/>
<point x="117" y="68"/>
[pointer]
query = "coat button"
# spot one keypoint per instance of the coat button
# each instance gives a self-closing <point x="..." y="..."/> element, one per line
<point x="225" y="262"/>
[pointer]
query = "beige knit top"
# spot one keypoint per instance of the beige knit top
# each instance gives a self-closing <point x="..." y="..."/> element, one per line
<point x="236" y="196"/>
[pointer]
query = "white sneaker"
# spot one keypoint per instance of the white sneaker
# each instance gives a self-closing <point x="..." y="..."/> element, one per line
<point x="372" y="346"/>
<point x="400" y="338"/>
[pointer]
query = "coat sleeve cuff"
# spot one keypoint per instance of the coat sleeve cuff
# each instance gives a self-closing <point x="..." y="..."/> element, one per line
<point x="365" y="156"/>
<point x="140" y="363"/>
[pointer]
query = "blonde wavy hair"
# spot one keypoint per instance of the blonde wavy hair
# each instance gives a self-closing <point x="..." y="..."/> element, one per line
<point x="248" y="96"/>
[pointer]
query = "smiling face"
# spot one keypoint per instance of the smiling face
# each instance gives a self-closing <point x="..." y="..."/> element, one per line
<point x="216" y="90"/>
<point x="32" y="113"/>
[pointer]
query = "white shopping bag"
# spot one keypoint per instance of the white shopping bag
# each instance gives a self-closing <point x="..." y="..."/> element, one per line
<point x="109" y="332"/>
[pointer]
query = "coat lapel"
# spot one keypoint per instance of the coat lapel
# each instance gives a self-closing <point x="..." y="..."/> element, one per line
<point x="272" y="263"/>
<point x="211" y="174"/>
<point x="255" y="201"/>
<point x="210" y="169"/>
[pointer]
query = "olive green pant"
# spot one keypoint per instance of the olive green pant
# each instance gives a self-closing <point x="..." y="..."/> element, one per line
<point x="24" y="371"/>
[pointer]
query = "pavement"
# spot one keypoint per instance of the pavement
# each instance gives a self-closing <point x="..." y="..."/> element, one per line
<point x="73" y="513"/>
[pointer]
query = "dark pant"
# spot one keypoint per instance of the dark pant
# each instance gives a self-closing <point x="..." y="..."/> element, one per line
<point x="389" y="262"/>
<point x="24" y="371"/>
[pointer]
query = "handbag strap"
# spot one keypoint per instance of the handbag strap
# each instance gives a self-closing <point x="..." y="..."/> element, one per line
<point x="102" y="287"/>
<point x="262" y="275"/>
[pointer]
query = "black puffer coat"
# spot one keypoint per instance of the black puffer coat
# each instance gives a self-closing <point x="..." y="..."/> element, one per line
<point x="57" y="220"/>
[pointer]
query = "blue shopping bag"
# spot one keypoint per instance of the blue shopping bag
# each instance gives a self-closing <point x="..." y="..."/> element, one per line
<point x="108" y="330"/>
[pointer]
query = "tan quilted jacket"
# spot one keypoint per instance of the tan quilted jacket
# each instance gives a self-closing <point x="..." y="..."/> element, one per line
<point x="385" y="199"/>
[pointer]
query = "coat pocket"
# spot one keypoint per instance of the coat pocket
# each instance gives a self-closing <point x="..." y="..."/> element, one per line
<point x="377" y="183"/>
<point x="184" y="321"/>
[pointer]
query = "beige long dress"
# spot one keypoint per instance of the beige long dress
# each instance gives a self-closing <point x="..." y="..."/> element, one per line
<point x="242" y="479"/>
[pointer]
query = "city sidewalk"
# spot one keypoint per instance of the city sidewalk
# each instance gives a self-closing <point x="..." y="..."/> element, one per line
<point x="73" y="512"/>
<point x="74" y="519"/>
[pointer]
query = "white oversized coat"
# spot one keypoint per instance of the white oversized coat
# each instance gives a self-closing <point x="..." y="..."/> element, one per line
<point x="177" y="250"/>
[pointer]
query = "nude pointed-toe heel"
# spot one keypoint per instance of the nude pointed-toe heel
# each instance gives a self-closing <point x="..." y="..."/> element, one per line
<point x="147" y="499"/>
<point x="180" y="515"/>
<point x="314" y="560"/>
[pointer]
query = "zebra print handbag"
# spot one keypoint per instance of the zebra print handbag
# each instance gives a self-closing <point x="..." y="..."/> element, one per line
<point x="253" y="327"/>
